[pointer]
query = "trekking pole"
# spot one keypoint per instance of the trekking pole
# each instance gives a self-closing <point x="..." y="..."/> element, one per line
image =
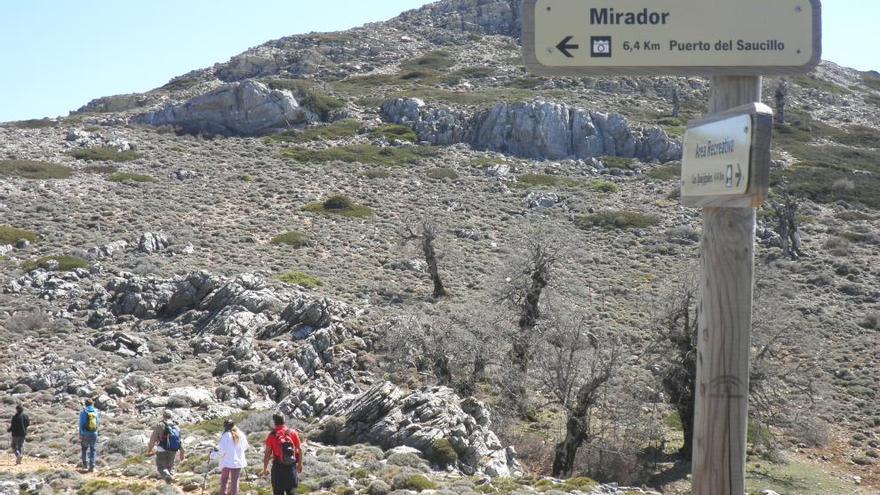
<point x="207" y="472"/>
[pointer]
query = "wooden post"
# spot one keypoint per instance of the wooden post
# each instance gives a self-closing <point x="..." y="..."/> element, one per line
<point x="721" y="412"/>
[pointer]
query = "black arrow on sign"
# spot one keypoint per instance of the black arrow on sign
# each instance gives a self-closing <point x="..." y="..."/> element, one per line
<point x="739" y="175"/>
<point x="564" y="46"/>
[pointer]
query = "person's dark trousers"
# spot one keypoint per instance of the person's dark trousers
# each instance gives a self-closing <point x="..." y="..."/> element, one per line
<point x="165" y="464"/>
<point x="18" y="448"/>
<point x="89" y="450"/>
<point x="284" y="479"/>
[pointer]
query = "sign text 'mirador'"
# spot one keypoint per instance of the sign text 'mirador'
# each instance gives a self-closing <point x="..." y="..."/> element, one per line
<point x="607" y="16"/>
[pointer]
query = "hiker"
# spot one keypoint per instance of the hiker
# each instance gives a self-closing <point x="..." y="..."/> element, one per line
<point x="231" y="455"/>
<point x="88" y="434"/>
<point x="18" y="428"/>
<point x="165" y="444"/>
<point x="283" y="448"/>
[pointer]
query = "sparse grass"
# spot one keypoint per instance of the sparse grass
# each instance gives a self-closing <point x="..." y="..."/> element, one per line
<point x="33" y="169"/>
<point x="861" y="136"/>
<point x="361" y="153"/>
<point x="65" y="263"/>
<point x="93" y="487"/>
<point x="300" y="278"/>
<point x="394" y="131"/>
<point x="812" y="82"/>
<point x="873" y="100"/>
<point x="442" y="453"/>
<point x="339" y="205"/>
<point x="293" y="238"/>
<point x="31" y="124"/>
<point x="9" y="235"/>
<point x="308" y="96"/>
<point x="673" y="422"/>
<point x="215" y="426"/>
<point x="342" y="129"/>
<point x="616" y="219"/>
<point x="105" y="153"/>
<point x="442" y="173"/>
<point x="854" y="216"/>
<point x="794" y="478"/>
<point x="377" y="173"/>
<point x="580" y="483"/>
<point x="179" y="84"/>
<point x="871" y="79"/>
<point x="665" y="172"/>
<point x="129" y="177"/>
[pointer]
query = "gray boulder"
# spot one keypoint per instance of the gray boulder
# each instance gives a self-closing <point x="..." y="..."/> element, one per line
<point x="437" y="125"/>
<point x="150" y="242"/>
<point x="106" y="251"/>
<point x="240" y="108"/>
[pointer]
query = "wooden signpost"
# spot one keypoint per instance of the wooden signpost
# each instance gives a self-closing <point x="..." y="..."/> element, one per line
<point x="725" y="166"/>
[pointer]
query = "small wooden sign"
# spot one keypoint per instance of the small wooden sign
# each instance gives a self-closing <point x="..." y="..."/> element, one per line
<point x="698" y="37"/>
<point x="726" y="158"/>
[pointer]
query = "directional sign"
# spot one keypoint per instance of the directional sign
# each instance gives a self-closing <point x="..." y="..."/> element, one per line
<point x="700" y="37"/>
<point x="726" y="158"/>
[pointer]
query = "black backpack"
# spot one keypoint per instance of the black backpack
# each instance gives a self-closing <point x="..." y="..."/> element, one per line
<point x="288" y="452"/>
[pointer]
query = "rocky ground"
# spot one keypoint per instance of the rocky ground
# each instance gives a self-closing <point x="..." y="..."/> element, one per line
<point x="146" y="270"/>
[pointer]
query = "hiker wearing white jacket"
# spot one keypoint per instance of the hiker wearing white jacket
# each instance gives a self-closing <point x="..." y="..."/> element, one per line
<point x="231" y="455"/>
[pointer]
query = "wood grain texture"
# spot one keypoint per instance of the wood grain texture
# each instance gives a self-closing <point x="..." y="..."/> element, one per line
<point x="727" y="248"/>
<point x="534" y="66"/>
<point x="759" y="162"/>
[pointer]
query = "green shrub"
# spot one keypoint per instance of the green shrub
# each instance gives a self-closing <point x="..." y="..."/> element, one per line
<point x="442" y="173"/>
<point x="525" y="83"/>
<point x="31" y="124"/>
<point x="604" y="186"/>
<point x="307" y="96"/>
<point x="418" y="483"/>
<point x="105" y="153"/>
<point x="618" y="162"/>
<point x="247" y="178"/>
<point x="673" y="422"/>
<point x="300" y="278"/>
<point x="339" y="205"/>
<point x="579" y="483"/>
<point x="671" y="121"/>
<point x="442" y="453"/>
<point x="65" y="263"/>
<point x="616" y="219"/>
<point x="179" y="84"/>
<point x="437" y="60"/>
<point x="292" y="238"/>
<point x="9" y="235"/>
<point x="341" y="129"/>
<point x="359" y="473"/>
<point x="394" y="131"/>
<point x="32" y="169"/>
<point x="665" y="172"/>
<point x="865" y="137"/>
<point x="129" y="177"/>
<point x="100" y="169"/>
<point x="93" y="487"/>
<point x="535" y="180"/>
<point x="377" y="173"/>
<point x="873" y="100"/>
<point x="361" y="153"/>
<point x="759" y="434"/>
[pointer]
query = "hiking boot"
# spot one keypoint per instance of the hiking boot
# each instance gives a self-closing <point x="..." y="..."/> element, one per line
<point x="92" y="469"/>
<point x="17" y="460"/>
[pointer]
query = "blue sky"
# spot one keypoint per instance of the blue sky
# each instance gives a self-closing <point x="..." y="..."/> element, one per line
<point x="57" y="55"/>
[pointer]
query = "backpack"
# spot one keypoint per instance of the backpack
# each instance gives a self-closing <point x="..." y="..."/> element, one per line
<point x="288" y="452"/>
<point x="91" y="421"/>
<point x="170" y="439"/>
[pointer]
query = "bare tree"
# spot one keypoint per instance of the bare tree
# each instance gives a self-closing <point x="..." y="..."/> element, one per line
<point x="781" y="94"/>
<point x="424" y="233"/>
<point x="676" y="330"/>
<point x="577" y="366"/>
<point x="524" y="297"/>
<point x="786" y="212"/>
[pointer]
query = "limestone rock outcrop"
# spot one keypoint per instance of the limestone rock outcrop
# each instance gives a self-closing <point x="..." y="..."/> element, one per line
<point x="239" y="108"/>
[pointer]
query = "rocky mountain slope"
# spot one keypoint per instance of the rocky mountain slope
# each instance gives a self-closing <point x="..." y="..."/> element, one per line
<point x="175" y="249"/>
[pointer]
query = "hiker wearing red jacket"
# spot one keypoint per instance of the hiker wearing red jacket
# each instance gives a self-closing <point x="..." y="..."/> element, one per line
<point x="284" y="449"/>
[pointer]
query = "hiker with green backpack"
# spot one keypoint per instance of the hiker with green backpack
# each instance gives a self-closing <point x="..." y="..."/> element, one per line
<point x="165" y="444"/>
<point x="88" y="434"/>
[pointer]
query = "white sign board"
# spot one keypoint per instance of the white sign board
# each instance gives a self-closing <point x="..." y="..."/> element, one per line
<point x="726" y="158"/>
<point x="702" y="37"/>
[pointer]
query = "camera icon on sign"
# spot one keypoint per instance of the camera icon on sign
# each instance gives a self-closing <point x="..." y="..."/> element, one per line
<point x="600" y="46"/>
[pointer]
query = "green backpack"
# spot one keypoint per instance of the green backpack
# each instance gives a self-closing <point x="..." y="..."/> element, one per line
<point x="91" y="421"/>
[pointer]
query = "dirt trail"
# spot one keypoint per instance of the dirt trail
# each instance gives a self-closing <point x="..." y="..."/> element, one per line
<point x="35" y="465"/>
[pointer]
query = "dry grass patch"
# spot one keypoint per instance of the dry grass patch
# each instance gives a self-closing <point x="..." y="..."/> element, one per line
<point x="616" y="219"/>
<point x="105" y="153"/>
<point x="33" y="169"/>
<point x="292" y="238"/>
<point x="65" y="263"/>
<point x="10" y="235"/>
